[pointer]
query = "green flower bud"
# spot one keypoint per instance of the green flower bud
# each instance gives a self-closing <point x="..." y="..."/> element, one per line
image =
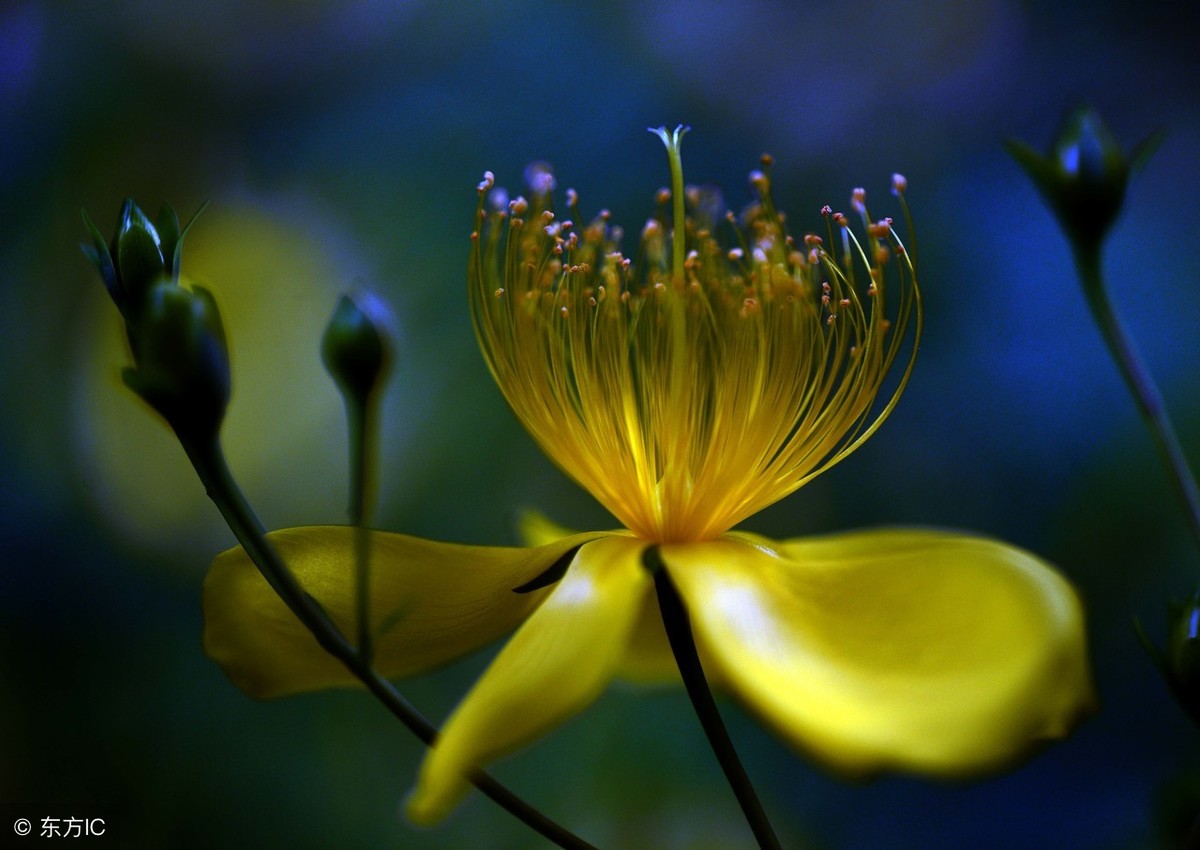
<point x="140" y="255"/>
<point x="355" y="347"/>
<point x="182" y="360"/>
<point x="1183" y="656"/>
<point x="1180" y="664"/>
<point x="1083" y="178"/>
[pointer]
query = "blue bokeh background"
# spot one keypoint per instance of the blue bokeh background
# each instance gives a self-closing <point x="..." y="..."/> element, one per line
<point x="348" y="136"/>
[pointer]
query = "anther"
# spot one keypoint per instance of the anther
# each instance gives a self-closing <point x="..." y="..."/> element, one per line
<point x="827" y="210"/>
<point x="858" y="200"/>
<point x="899" y="184"/>
<point x="663" y="195"/>
<point x="813" y="239"/>
<point x="489" y="180"/>
<point x="500" y="292"/>
<point x="540" y="177"/>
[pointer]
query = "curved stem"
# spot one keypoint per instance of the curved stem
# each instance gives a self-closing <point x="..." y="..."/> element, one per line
<point x="683" y="646"/>
<point x="209" y="461"/>
<point x="1141" y="385"/>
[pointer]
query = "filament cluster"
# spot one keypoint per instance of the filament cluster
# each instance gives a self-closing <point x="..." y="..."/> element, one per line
<point x="687" y="396"/>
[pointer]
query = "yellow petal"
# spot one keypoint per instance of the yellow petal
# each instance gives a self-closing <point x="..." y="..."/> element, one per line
<point x="556" y="664"/>
<point x="648" y="660"/>
<point x="892" y="649"/>
<point x="431" y="602"/>
<point x="534" y="528"/>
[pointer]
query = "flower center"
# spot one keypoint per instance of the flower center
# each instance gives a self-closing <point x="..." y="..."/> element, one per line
<point x="699" y="384"/>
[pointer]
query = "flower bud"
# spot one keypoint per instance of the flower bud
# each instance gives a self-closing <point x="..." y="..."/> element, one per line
<point x="355" y="347"/>
<point x="1083" y="178"/>
<point x="1183" y="656"/>
<point x="1180" y="663"/>
<point x="182" y="360"/>
<point x="140" y="255"/>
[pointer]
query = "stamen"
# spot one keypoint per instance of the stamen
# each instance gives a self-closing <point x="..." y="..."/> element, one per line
<point x="708" y="379"/>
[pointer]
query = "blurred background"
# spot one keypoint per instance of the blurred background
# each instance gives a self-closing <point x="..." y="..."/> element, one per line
<point x="339" y="143"/>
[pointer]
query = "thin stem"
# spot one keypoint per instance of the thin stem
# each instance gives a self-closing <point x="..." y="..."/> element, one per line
<point x="209" y="461"/>
<point x="683" y="646"/>
<point x="1141" y="385"/>
<point x="360" y="431"/>
<point x="1191" y="839"/>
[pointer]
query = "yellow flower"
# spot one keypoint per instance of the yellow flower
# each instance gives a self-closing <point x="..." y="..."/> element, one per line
<point x="687" y="390"/>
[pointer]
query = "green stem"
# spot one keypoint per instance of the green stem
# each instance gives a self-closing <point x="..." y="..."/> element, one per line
<point x="360" y="430"/>
<point x="209" y="461"/>
<point x="683" y="646"/>
<point x="1141" y="385"/>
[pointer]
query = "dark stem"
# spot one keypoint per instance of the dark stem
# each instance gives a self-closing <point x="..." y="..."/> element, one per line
<point x="1191" y="839"/>
<point x="209" y="460"/>
<point x="1141" y="385"/>
<point x="683" y="646"/>
<point x="360" y="433"/>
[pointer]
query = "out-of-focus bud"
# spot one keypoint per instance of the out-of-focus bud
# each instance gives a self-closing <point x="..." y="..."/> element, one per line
<point x="182" y="365"/>
<point x="356" y="347"/>
<point x="1083" y="178"/>
<point x="140" y="255"/>
<point x="1180" y="664"/>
